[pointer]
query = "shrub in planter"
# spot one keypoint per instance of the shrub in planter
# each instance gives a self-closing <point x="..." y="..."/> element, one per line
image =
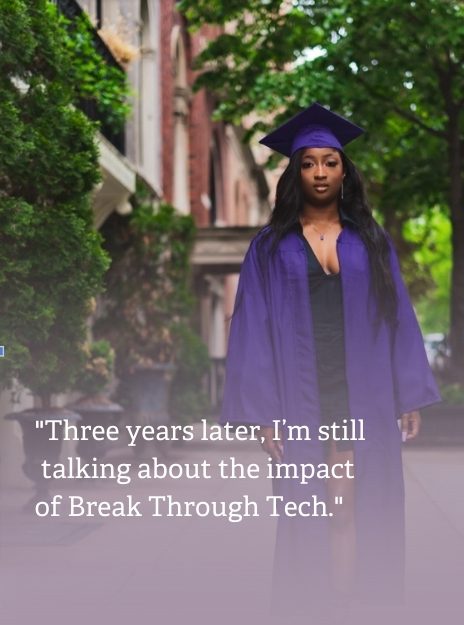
<point x="95" y="407"/>
<point x="188" y="400"/>
<point x="51" y="258"/>
<point x="96" y="375"/>
<point x="147" y="304"/>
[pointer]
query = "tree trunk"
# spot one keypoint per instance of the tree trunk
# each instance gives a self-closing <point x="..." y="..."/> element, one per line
<point x="457" y="277"/>
<point x="45" y="401"/>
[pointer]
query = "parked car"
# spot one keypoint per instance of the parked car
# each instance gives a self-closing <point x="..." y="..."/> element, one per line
<point x="437" y="349"/>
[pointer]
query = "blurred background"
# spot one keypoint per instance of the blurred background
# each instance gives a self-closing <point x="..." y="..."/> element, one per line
<point x="131" y="182"/>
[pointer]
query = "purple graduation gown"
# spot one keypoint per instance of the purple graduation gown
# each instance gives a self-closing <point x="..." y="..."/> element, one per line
<point x="271" y="375"/>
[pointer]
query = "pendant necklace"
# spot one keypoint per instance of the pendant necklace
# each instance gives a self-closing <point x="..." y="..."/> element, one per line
<point x="322" y="234"/>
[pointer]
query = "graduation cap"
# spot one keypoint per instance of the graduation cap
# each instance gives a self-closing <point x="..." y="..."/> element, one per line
<point x="315" y="127"/>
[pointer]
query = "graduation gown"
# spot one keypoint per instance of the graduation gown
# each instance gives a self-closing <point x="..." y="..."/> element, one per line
<point x="271" y="374"/>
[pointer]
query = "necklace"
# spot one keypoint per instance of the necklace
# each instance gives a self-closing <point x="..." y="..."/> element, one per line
<point x="322" y="234"/>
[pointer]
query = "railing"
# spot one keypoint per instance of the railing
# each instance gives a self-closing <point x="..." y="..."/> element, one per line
<point x="71" y="9"/>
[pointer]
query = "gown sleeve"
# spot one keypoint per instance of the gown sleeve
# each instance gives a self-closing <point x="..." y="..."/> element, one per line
<point x="250" y="388"/>
<point x="415" y="385"/>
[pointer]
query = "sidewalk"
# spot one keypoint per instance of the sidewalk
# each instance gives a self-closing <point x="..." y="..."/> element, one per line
<point x="196" y="571"/>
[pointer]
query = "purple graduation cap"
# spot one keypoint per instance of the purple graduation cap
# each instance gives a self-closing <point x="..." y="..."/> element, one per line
<point x="315" y="127"/>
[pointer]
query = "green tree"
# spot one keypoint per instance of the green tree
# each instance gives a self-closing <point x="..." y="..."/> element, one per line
<point x="397" y="67"/>
<point x="51" y="259"/>
<point x="432" y="234"/>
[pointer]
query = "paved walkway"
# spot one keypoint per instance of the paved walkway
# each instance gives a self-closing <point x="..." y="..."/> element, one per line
<point x="197" y="571"/>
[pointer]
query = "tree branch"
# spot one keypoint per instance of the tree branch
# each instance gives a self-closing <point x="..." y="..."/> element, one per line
<point x="399" y="111"/>
<point x="416" y="120"/>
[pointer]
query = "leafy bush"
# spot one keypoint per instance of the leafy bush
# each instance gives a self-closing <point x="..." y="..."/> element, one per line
<point x="147" y="297"/>
<point x="188" y="399"/>
<point x="97" y="372"/>
<point x="51" y="259"/>
<point x="148" y="303"/>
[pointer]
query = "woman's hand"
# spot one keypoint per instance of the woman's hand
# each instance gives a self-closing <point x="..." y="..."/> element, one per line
<point x="410" y="424"/>
<point x="271" y="446"/>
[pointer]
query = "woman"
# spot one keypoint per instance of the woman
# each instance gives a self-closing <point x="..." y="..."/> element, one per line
<point x="323" y="333"/>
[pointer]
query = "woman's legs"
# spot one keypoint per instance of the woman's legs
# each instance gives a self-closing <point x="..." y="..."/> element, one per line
<point x="342" y="523"/>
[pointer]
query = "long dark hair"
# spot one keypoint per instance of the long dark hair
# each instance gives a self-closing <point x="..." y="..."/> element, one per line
<point x="289" y="204"/>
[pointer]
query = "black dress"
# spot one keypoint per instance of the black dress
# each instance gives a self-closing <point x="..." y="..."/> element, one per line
<point x="328" y="325"/>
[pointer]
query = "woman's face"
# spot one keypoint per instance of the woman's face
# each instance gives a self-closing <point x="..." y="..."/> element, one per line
<point x="321" y="175"/>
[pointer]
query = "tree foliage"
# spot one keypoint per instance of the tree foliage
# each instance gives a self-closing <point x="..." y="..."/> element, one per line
<point x="51" y="259"/>
<point x="148" y="299"/>
<point x="395" y="67"/>
<point x="147" y="306"/>
<point x="431" y="233"/>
